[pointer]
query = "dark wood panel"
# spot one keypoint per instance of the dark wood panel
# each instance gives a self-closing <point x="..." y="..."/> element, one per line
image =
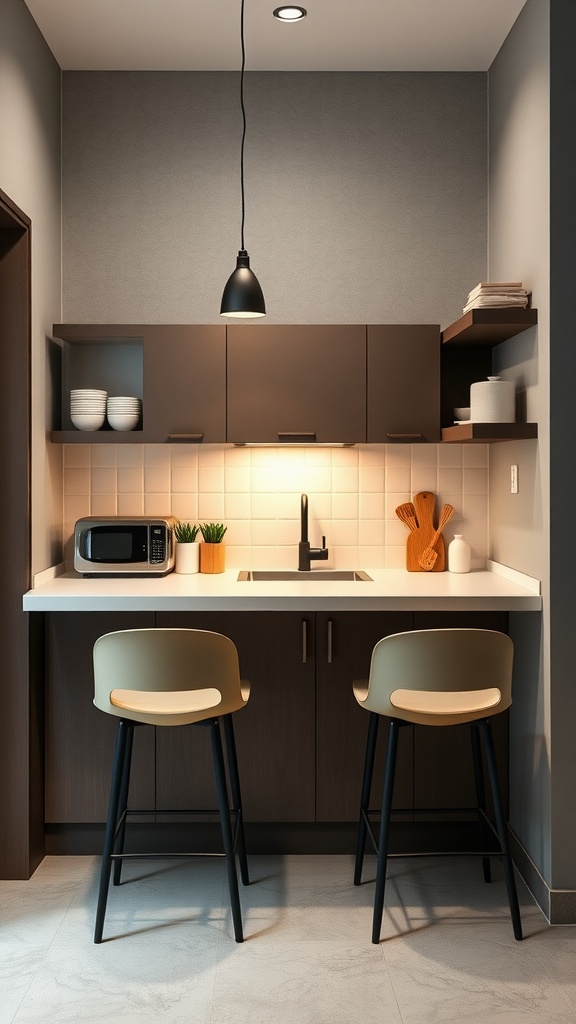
<point x="296" y="379"/>
<point x="342" y="724"/>
<point x="22" y="841"/>
<point x="274" y="733"/>
<point x="403" y="382"/>
<point x="80" y="738"/>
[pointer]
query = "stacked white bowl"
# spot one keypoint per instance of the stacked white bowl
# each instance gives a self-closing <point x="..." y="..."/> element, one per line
<point x="88" y="408"/>
<point x="123" y="412"/>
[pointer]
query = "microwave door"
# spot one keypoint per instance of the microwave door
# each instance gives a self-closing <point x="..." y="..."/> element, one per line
<point x="117" y="545"/>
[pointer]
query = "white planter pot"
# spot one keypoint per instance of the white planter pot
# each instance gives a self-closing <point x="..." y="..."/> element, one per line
<point x="187" y="558"/>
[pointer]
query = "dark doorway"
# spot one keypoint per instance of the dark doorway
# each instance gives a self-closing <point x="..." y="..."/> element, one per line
<point x="20" y="743"/>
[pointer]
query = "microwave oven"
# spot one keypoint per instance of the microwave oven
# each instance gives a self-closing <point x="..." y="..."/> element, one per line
<point x="124" y="546"/>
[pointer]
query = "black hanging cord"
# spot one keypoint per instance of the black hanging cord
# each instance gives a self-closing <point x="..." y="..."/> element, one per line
<point x="243" y="120"/>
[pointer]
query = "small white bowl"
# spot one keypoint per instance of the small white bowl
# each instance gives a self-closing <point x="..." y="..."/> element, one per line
<point x="462" y="413"/>
<point x="92" y="421"/>
<point x="120" y="421"/>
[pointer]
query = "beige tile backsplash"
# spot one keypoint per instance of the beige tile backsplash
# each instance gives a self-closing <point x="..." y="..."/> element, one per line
<point x="256" y="491"/>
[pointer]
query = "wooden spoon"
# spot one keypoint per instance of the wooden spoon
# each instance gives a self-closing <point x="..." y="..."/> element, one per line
<point x="407" y="514"/>
<point x="428" y="557"/>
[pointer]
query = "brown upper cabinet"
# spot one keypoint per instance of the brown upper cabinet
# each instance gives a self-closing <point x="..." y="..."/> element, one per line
<point x="403" y="383"/>
<point x="296" y="383"/>
<point x="178" y="370"/>
<point x="271" y="384"/>
<point x="185" y="383"/>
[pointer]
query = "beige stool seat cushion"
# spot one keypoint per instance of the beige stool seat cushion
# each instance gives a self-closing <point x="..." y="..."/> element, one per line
<point x="168" y="702"/>
<point x="442" y="702"/>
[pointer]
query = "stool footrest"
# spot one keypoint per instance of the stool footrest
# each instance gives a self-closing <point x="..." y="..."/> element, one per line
<point x="163" y="856"/>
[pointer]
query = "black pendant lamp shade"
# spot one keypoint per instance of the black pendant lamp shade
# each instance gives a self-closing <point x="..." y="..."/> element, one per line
<point x="242" y="296"/>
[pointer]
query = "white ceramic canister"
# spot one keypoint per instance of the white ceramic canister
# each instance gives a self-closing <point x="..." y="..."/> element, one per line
<point x="458" y="554"/>
<point x="493" y="401"/>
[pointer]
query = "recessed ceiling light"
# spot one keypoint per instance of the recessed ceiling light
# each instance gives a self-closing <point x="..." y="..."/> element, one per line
<point x="290" y="13"/>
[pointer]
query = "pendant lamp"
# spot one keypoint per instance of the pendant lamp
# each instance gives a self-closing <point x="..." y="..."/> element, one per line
<point x="242" y="296"/>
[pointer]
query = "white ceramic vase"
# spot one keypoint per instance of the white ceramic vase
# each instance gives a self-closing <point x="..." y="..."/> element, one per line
<point x="187" y="558"/>
<point x="459" y="554"/>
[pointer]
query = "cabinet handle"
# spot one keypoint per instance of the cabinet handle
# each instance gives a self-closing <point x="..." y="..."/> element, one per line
<point x="190" y="438"/>
<point x="329" y="648"/>
<point x="304" y="641"/>
<point x="299" y="436"/>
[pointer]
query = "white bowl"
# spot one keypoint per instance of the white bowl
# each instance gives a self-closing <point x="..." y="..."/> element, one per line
<point x="92" y="421"/>
<point x="462" y="413"/>
<point x="88" y="393"/>
<point x="123" y="422"/>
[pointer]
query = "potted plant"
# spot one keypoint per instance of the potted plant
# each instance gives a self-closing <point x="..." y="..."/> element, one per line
<point x="212" y="551"/>
<point x="187" y="547"/>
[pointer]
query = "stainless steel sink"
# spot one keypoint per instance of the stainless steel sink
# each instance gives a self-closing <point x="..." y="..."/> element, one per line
<point x="314" y="576"/>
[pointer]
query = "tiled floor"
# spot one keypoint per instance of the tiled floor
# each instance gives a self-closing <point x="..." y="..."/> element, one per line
<point x="447" y="953"/>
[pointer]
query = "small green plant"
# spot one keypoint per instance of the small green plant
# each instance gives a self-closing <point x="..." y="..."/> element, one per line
<point x="213" y="533"/>
<point x="186" y="533"/>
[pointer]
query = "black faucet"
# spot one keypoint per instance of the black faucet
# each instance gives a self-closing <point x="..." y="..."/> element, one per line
<point x="305" y="552"/>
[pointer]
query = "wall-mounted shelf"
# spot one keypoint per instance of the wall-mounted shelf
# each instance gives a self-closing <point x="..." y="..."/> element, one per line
<point x="467" y="357"/>
<point x="485" y="433"/>
<point x="489" y="326"/>
<point x="100" y="437"/>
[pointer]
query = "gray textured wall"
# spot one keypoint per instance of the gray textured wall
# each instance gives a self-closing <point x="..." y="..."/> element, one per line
<point x="519" y="246"/>
<point x="30" y="175"/>
<point x="366" y="194"/>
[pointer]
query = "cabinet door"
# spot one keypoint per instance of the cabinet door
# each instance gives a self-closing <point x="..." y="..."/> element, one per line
<point x="403" y="382"/>
<point x="274" y="732"/>
<point x="296" y="380"/>
<point x="443" y="770"/>
<point x="345" y="641"/>
<point x="185" y="382"/>
<point x="80" y="738"/>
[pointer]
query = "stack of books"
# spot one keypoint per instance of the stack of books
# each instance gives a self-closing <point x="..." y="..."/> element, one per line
<point x="497" y="293"/>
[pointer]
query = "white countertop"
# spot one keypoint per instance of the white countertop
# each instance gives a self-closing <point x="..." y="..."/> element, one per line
<point x="496" y="589"/>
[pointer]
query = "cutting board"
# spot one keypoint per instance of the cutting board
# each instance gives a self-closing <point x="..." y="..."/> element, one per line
<point x="418" y="540"/>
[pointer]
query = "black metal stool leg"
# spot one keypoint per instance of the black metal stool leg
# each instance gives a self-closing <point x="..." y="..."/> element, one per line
<point x="385" y="828"/>
<point x="123" y="802"/>
<point x="365" y="795"/>
<point x="480" y="796"/>
<point x="224" y="808"/>
<point x="236" y="797"/>
<point x="502" y="830"/>
<point x="109" y="837"/>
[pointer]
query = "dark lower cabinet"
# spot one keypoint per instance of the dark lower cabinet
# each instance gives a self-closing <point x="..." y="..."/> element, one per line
<point x="300" y="740"/>
<point x="274" y="732"/>
<point x="80" y="738"/>
<point x="344" y="644"/>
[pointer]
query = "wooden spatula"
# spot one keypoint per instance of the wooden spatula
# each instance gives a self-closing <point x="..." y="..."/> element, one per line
<point x="407" y="513"/>
<point x="428" y="557"/>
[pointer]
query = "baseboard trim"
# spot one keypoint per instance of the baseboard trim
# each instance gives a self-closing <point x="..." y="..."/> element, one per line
<point x="557" y="905"/>
<point x="264" y="837"/>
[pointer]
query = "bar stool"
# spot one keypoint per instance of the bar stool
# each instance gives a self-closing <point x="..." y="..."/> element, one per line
<point x="168" y="677"/>
<point x="435" y="677"/>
